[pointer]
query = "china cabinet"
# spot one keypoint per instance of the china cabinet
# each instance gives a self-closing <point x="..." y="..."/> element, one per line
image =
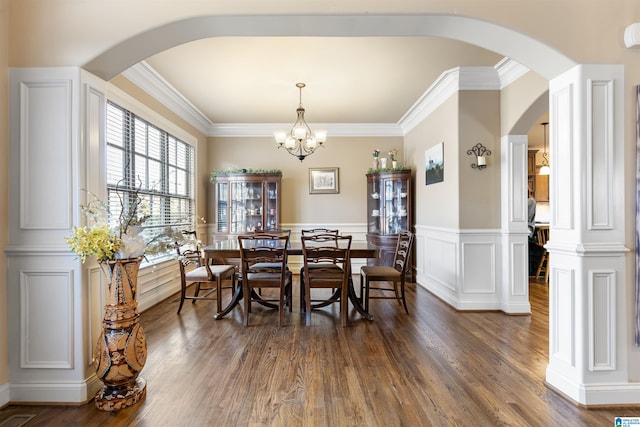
<point x="389" y="195"/>
<point x="246" y="202"/>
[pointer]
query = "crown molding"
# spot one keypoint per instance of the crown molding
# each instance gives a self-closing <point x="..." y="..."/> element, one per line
<point x="509" y="71"/>
<point x="333" y="129"/>
<point x="148" y="79"/>
<point x="448" y="83"/>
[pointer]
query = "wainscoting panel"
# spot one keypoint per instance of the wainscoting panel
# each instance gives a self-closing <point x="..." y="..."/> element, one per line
<point x="562" y="312"/>
<point x="46" y="336"/>
<point x="441" y="263"/>
<point x="561" y="187"/>
<point x="461" y="267"/>
<point x="600" y="140"/>
<point x="602" y="318"/>
<point x="45" y="144"/>
<point x="478" y="273"/>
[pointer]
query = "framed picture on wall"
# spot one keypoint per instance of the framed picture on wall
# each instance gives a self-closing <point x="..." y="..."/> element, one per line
<point x="323" y="181"/>
<point x="434" y="164"/>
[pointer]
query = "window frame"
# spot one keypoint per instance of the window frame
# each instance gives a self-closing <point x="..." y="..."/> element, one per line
<point x="170" y="145"/>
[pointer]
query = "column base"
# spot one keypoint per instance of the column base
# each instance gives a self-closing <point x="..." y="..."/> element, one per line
<point x="114" y="399"/>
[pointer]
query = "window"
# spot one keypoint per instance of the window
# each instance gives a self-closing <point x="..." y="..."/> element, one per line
<point x="144" y="158"/>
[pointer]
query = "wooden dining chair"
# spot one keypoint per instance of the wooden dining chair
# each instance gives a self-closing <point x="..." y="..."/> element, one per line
<point x="264" y="265"/>
<point x="312" y="232"/>
<point x="385" y="274"/>
<point x="193" y="272"/>
<point x="542" y="237"/>
<point x="327" y="264"/>
<point x="205" y="278"/>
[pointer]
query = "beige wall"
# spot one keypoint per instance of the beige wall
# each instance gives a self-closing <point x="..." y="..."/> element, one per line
<point x="467" y="198"/>
<point x="479" y="192"/>
<point x="4" y="185"/>
<point x="529" y="92"/>
<point x="352" y="156"/>
<point x="436" y="204"/>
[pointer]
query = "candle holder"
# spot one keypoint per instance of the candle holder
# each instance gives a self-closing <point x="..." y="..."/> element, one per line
<point x="481" y="152"/>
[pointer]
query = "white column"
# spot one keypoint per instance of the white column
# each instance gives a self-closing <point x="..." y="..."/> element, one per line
<point x="54" y="120"/>
<point x="589" y="340"/>
<point x="514" y="283"/>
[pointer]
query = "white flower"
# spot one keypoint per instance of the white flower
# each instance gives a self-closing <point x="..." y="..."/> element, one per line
<point x="133" y="244"/>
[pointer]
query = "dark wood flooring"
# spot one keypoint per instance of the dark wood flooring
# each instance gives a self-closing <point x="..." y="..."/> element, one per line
<point x="434" y="367"/>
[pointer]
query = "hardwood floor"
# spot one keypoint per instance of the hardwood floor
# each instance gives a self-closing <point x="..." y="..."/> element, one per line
<point x="434" y="367"/>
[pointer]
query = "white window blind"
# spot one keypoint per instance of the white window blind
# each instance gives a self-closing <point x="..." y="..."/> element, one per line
<point x="144" y="158"/>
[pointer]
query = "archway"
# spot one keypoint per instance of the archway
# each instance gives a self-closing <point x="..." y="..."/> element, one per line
<point x="527" y="51"/>
<point x="571" y="370"/>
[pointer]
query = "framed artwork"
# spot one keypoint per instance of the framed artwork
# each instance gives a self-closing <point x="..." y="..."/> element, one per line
<point x="323" y="181"/>
<point x="434" y="164"/>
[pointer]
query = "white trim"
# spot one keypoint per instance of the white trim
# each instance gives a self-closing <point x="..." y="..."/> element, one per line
<point x="334" y="129"/>
<point x="461" y="78"/>
<point x="128" y="102"/>
<point x="509" y="71"/>
<point x="5" y="393"/>
<point x="146" y="77"/>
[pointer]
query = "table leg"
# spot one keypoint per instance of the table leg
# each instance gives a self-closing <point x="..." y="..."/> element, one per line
<point x="356" y="302"/>
<point x="235" y="300"/>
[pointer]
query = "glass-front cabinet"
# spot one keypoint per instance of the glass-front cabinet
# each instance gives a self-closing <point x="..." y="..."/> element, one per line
<point x="246" y="202"/>
<point x="389" y="195"/>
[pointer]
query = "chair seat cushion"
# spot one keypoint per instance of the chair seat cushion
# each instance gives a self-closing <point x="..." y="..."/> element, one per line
<point x="332" y="272"/>
<point x="201" y="274"/>
<point x="267" y="276"/>
<point x="374" y="271"/>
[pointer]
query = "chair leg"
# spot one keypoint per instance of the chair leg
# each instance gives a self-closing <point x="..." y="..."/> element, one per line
<point x="307" y="301"/>
<point x="183" y="294"/>
<point x="366" y="295"/>
<point x="302" y="291"/>
<point x="219" y="294"/>
<point x="247" y="301"/>
<point x="404" y="299"/>
<point x="196" y="293"/>
<point x="344" y="305"/>
<point x="281" y="308"/>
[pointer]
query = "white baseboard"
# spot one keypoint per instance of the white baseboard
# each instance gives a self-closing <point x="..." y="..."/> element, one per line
<point x="4" y="394"/>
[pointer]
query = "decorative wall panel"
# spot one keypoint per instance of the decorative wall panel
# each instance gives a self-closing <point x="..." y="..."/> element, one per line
<point x="600" y="156"/>
<point x="45" y="155"/>
<point x="602" y="303"/>
<point x="562" y="153"/>
<point x="46" y="310"/>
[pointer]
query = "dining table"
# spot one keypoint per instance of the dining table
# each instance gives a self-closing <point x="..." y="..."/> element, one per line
<point x="227" y="249"/>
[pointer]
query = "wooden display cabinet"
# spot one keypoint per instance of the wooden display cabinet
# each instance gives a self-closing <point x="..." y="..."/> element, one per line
<point x="246" y="202"/>
<point x="389" y="210"/>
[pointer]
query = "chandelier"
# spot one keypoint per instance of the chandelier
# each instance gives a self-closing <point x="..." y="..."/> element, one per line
<point x="300" y="141"/>
<point x="545" y="169"/>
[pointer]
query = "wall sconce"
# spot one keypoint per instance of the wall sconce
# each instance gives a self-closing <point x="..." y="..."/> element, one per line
<point x="481" y="153"/>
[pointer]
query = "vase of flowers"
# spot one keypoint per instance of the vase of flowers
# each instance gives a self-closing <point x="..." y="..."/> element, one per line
<point x="121" y="351"/>
<point x="376" y="164"/>
<point x="393" y="155"/>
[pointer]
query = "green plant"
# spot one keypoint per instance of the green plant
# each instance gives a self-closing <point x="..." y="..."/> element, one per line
<point x="216" y="172"/>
